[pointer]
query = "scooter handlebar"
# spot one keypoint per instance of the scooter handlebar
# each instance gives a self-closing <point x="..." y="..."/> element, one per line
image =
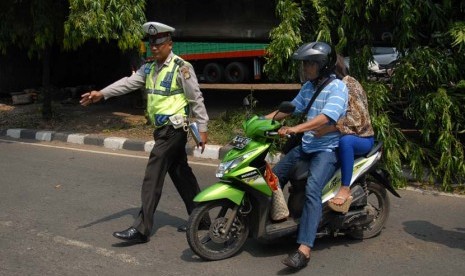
<point x="274" y="133"/>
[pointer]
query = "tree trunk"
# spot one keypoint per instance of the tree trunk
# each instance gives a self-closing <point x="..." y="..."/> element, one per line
<point x="46" y="89"/>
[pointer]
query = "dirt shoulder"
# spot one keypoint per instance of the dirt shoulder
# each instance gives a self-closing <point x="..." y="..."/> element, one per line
<point x="104" y="119"/>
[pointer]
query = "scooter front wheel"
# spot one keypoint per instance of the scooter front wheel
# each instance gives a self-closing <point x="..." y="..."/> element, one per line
<point x="207" y="233"/>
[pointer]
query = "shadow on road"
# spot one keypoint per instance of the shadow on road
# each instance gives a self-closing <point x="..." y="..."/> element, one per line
<point x="160" y="218"/>
<point x="280" y="247"/>
<point x="426" y="231"/>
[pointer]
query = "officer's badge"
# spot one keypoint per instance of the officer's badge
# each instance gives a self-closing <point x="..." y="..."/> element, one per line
<point x="152" y="30"/>
<point x="185" y="73"/>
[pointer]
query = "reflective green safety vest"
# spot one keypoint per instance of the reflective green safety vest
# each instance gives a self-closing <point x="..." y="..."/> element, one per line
<point x="165" y="97"/>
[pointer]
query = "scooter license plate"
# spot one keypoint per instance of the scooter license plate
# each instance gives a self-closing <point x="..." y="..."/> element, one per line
<point x="240" y="142"/>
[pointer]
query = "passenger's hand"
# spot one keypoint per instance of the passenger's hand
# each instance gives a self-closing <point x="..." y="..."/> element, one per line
<point x="324" y="130"/>
<point x="91" y="97"/>
<point x="204" y="137"/>
<point x="319" y="132"/>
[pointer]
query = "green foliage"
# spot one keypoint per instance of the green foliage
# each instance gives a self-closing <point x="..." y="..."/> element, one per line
<point x="457" y="32"/>
<point x="34" y="25"/>
<point x="438" y="65"/>
<point x="426" y="76"/>
<point x="40" y="24"/>
<point x="427" y="89"/>
<point x="228" y="125"/>
<point x="395" y="144"/>
<point x="435" y="113"/>
<point x="284" y="40"/>
<point x="104" y="20"/>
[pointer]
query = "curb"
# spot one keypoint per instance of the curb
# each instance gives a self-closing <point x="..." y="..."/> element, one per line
<point x="116" y="143"/>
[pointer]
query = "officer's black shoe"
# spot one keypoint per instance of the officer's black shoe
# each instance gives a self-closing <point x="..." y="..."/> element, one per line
<point x="132" y="235"/>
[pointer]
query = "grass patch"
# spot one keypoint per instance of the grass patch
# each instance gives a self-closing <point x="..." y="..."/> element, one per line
<point x="229" y="124"/>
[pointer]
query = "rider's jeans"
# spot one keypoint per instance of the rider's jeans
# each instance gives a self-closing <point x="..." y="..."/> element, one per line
<point x="322" y="167"/>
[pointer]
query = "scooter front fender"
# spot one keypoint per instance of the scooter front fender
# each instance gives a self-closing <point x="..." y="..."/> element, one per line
<point x="381" y="176"/>
<point x="220" y="190"/>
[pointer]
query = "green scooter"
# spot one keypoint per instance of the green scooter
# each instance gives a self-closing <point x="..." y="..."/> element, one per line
<point x="239" y="204"/>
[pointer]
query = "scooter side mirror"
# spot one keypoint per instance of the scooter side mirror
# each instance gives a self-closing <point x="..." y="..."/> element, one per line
<point x="286" y="107"/>
<point x="249" y="103"/>
<point x="245" y="102"/>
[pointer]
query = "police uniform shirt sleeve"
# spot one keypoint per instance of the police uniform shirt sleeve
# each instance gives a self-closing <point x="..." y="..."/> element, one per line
<point x="126" y="84"/>
<point x="194" y="96"/>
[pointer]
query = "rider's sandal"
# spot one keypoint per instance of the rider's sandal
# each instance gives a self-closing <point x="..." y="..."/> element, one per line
<point x="344" y="207"/>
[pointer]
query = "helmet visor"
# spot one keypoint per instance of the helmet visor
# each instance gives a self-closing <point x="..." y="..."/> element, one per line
<point x="306" y="72"/>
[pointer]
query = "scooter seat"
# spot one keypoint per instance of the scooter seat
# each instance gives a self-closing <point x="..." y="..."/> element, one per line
<point x="300" y="170"/>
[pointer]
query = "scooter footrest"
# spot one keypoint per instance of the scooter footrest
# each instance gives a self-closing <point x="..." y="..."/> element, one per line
<point x="352" y="218"/>
<point x="289" y="225"/>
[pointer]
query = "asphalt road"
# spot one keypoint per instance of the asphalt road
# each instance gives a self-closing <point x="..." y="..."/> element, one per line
<point x="59" y="205"/>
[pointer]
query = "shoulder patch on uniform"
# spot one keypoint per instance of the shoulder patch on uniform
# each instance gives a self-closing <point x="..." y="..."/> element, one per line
<point x="179" y="61"/>
<point x="148" y="67"/>
<point x="185" y="72"/>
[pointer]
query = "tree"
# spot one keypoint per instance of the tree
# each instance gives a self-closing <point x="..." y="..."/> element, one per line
<point x="39" y="25"/>
<point x="35" y="26"/>
<point x="105" y="20"/>
<point x="428" y="84"/>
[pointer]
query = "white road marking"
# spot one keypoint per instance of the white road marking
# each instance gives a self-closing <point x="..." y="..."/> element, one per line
<point x="125" y="258"/>
<point x="98" y="152"/>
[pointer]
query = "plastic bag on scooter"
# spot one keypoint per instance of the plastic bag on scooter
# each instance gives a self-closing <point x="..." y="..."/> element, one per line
<point x="279" y="210"/>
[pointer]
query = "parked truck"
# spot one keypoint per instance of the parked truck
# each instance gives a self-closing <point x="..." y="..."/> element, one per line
<point x="225" y="40"/>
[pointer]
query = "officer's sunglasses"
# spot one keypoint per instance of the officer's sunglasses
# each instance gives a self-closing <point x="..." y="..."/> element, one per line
<point x="158" y="42"/>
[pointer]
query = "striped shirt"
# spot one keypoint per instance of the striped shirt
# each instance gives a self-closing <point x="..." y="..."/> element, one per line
<point x="332" y="102"/>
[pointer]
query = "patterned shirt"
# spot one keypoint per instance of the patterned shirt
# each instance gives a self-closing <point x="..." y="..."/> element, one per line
<point x="357" y="120"/>
<point x="332" y="102"/>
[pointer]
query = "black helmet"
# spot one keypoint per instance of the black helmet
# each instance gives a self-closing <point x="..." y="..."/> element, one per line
<point x="321" y="53"/>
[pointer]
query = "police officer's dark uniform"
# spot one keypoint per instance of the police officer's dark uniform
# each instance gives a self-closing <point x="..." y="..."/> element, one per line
<point x="172" y="91"/>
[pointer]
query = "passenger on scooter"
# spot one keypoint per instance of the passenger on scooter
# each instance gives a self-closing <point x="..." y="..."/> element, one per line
<point x="317" y="60"/>
<point x="357" y="135"/>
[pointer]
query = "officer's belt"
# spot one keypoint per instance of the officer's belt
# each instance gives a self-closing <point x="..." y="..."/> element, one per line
<point x="164" y="92"/>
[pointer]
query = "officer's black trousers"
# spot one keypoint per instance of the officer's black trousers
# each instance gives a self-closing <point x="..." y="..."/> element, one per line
<point x="168" y="155"/>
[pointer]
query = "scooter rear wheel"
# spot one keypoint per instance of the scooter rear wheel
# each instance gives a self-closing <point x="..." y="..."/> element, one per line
<point x="206" y="230"/>
<point x="378" y="201"/>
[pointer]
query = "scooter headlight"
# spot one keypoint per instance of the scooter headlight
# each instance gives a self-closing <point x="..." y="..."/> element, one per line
<point x="226" y="167"/>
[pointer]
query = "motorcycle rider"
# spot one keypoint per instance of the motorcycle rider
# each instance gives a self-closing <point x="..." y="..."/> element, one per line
<point x="317" y="62"/>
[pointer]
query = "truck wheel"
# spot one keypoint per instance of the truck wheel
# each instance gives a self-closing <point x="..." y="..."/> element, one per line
<point x="236" y="72"/>
<point x="213" y="72"/>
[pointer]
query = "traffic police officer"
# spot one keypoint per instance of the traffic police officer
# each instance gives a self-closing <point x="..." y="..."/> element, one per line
<point x="172" y="95"/>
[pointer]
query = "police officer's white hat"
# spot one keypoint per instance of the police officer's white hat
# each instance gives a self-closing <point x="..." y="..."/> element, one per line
<point x="158" y="32"/>
<point x="154" y="28"/>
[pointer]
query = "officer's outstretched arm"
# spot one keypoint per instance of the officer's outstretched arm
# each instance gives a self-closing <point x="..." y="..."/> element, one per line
<point x="91" y="97"/>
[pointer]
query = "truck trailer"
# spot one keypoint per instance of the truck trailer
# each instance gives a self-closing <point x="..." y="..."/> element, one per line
<point x="225" y="40"/>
